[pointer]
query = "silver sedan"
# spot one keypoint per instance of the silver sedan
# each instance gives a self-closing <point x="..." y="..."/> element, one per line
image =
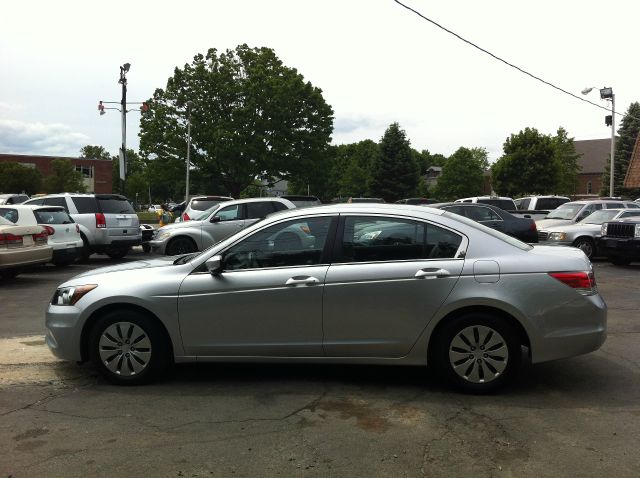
<point x="372" y="284"/>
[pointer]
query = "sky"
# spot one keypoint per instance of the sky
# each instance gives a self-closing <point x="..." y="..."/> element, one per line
<point x="375" y="61"/>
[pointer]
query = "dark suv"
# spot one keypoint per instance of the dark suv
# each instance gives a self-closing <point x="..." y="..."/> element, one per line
<point x="108" y="223"/>
<point x="620" y="241"/>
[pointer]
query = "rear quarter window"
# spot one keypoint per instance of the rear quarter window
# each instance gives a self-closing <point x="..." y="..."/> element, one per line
<point x="85" y="205"/>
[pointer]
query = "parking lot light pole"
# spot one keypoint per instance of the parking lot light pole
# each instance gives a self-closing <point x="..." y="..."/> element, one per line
<point x="123" y="108"/>
<point x="186" y="192"/>
<point x="606" y="93"/>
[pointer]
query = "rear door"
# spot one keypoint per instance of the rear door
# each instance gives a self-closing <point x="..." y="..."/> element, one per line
<point x="120" y="218"/>
<point x="388" y="278"/>
<point x="226" y="221"/>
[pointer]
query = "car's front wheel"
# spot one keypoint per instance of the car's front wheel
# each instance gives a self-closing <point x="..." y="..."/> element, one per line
<point x="586" y="245"/>
<point x="129" y="348"/>
<point x="478" y="352"/>
<point x="180" y="245"/>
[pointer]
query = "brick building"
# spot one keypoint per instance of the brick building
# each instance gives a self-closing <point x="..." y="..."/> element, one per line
<point x="97" y="173"/>
<point x="632" y="178"/>
<point x="596" y="155"/>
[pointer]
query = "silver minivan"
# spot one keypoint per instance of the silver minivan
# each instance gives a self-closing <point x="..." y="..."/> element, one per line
<point x="108" y="223"/>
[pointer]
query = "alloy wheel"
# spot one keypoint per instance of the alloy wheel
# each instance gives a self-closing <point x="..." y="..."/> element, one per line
<point x="124" y="348"/>
<point x="478" y="354"/>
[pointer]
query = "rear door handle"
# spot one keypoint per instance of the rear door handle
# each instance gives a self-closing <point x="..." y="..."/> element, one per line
<point x="432" y="273"/>
<point x="302" y="280"/>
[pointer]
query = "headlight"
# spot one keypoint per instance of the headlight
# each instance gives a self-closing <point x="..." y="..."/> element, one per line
<point x="603" y="229"/>
<point x="71" y="295"/>
<point x="636" y="232"/>
<point x="558" y="236"/>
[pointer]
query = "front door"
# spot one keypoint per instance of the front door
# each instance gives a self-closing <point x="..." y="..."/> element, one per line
<point x="267" y="301"/>
<point x="225" y="222"/>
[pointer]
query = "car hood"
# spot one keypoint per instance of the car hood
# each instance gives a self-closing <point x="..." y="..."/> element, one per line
<point x="569" y="228"/>
<point x="128" y="266"/>
<point x="547" y="223"/>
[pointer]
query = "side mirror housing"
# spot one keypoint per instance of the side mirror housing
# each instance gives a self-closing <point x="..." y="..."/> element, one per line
<point x="214" y="265"/>
<point x="214" y="219"/>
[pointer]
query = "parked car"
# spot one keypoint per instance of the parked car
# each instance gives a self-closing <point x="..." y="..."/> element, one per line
<point x="214" y="225"/>
<point x="63" y="234"/>
<point x="154" y="208"/>
<point x="365" y="200"/>
<point x="585" y="234"/>
<point x="21" y="247"/>
<point x="495" y="218"/>
<point x="302" y="201"/>
<point x="198" y="204"/>
<point x="453" y="294"/>
<point x="576" y="211"/>
<point x="108" y="224"/>
<point x="13" y="198"/>
<point x="540" y="203"/>
<point x="415" y="201"/>
<point x="620" y="240"/>
<point x="505" y="203"/>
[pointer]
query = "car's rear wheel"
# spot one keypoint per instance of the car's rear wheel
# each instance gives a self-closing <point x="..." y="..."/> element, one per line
<point x="117" y="252"/>
<point x="180" y="245"/>
<point x="620" y="261"/>
<point x="86" y="251"/>
<point x="129" y="348"/>
<point x="477" y="352"/>
<point x="586" y="245"/>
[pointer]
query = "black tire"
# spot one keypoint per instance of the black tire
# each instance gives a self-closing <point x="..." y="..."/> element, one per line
<point x="586" y="245"/>
<point x="116" y="360"/>
<point x="486" y="369"/>
<point x="180" y="245"/>
<point x="63" y="262"/>
<point x="117" y="252"/>
<point x="86" y="251"/>
<point x="9" y="274"/>
<point x="620" y="261"/>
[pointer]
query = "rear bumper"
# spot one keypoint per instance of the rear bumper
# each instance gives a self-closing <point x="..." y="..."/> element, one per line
<point x="68" y="253"/>
<point x="11" y="258"/>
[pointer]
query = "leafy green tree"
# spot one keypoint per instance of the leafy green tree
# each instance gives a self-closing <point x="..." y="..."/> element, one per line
<point x="395" y="173"/>
<point x="251" y="117"/>
<point x="566" y="158"/>
<point x="462" y="175"/>
<point x="528" y="166"/>
<point x="353" y="167"/>
<point x="64" y="178"/>
<point x="625" y="141"/>
<point x="16" y="178"/>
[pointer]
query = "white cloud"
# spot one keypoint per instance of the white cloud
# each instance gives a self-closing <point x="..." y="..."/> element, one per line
<point x="40" y="138"/>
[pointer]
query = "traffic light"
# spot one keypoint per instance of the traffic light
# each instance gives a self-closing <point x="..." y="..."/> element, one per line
<point x="608" y="120"/>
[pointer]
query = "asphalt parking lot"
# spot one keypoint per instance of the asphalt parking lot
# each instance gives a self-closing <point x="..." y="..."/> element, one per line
<point x="575" y="417"/>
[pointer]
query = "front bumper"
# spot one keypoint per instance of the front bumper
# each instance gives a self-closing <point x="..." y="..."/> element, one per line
<point x="616" y="246"/>
<point x="158" y="247"/>
<point x="63" y="332"/>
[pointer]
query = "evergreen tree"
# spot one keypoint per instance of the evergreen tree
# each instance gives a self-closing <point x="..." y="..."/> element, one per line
<point x="625" y="141"/>
<point x="566" y="158"/>
<point x="395" y="173"/>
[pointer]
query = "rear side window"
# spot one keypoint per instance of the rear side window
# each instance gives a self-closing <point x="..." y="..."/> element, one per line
<point x="259" y="210"/>
<point x="115" y="205"/>
<point x="482" y="214"/>
<point x="203" y="204"/>
<point x="38" y="202"/>
<point x="615" y="205"/>
<point x="523" y="203"/>
<point x="9" y="214"/>
<point x="59" y="201"/>
<point x="368" y="239"/>
<point x="278" y="206"/>
<point x="85" y="205"/>
<point x="53" y="216"/>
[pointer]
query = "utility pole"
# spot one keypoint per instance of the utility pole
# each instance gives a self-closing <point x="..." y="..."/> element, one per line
<point x="123" y="107"/>
<point x="186" y="192"/>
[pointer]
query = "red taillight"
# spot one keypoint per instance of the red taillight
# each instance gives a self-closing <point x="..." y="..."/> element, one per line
<point x="583" y="282"/>
<point x="50" y="231"/>
<point x="533" y="227"/>
<point x="78" y="228"/>
<point x="41" y="237"/>
<point x="10" y="240"/>
<point x="185" y="217"/>
<point x="100" y="220"/>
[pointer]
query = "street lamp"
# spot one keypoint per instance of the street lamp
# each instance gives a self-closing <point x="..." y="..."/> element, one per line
<point x="606" y="93"/>
<point x="186" y="192"/>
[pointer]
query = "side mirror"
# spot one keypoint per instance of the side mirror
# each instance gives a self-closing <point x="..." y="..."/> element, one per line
<point x="215" y="219"/>
<point x="214" y="265"/>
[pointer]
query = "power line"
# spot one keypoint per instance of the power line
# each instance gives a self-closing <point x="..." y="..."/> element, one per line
<point x="496" y="57"/>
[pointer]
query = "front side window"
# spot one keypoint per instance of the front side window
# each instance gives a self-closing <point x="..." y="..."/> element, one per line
<point x="300" y="242"/>
<point x="630" y="213"/>
<point x="369" y="239"/>
<point x="230" y="213"/>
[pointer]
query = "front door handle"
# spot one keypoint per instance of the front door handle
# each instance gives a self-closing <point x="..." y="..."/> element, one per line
<point x="432" y="273"/>
<point x="302" y="280"/>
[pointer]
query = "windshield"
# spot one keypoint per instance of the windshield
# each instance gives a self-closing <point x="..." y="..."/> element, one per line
<point x="600" y="216"/>
<point x="566" y="211"/>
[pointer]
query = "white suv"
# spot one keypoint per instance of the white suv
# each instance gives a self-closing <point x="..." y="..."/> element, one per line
<point x="108" y="224"/>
